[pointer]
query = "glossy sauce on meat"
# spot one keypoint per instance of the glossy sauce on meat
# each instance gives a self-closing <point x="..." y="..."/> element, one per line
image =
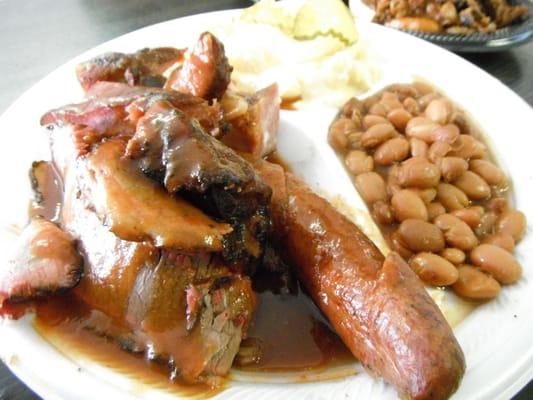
<point x="292" y="332"/>
<point x="59" y="320"/>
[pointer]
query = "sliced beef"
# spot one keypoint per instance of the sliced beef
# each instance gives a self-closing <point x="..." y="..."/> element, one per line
<point x="114" y="186"/>
<point x="111" y="109"/>
<point x="176" y="151"/>
<point x="47" y="263"/>
<point x="172" y="147"/>
<point x="144" y="68"/>
<point x="205" y="72"/>
<point x="188" y="310"/>
<point x="253" y="121"/>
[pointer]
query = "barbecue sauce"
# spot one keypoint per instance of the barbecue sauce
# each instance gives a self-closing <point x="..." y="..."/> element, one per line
<point x="292" y="333"/>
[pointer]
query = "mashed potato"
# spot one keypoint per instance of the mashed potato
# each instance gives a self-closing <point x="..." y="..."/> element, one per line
<point x="313" y="60"/>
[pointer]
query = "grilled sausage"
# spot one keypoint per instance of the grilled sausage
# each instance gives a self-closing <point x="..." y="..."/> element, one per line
<point x="378" y="306"/>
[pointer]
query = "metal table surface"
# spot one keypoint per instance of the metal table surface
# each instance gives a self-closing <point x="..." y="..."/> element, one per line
<point x="36" y="36"/>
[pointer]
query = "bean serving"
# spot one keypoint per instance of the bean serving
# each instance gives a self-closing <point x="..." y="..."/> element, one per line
<point x="431" y="185"/>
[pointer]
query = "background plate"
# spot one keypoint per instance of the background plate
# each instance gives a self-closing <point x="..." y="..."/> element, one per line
<point x="503" y="39"/>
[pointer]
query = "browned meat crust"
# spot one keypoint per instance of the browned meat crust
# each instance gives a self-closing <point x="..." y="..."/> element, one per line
<point x="189" y="311"/>
<point x="114" y="186"/>
<point x="378" y="307"/>
<point x="144" y="68"/>
<point x="172" y="147"/>
<point x="116" y="107"/>
<point x="175" y="150"/>
<point x="205" y="72"/>
<point x="47" y="263"/>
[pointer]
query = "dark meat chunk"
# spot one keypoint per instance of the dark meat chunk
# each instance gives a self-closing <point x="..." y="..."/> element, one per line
<point x="114" y="187"/>
<point x="175" y="150"/>
<point x="113" y="109"/>
<point x="47" y="263"/>
<point x="378" y="306"/>
<point x="144" y="68"/>
<point x="172" y="147"/>
<point x="205" y="72"/>
<point x="253" y="121"/>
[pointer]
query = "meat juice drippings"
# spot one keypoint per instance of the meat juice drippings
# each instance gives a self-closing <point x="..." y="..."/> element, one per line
<point x="62" y="322"/>
<point x="292" y="333"/>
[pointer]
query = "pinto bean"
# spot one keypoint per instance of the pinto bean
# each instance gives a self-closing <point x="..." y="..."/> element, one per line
<point x="354" y="140"/>
<point x="400" y="247"/>
<point x="474" y="284"/>
<point x="453" y="255"/>
<point x="452" y="168"/>
<point x="358" y="162"/>
<point x="465" y="146"/>
<point x="473" y="185"/>
<point x="427" y="195"/>
<point x="412" y="106"/>
<point x="427" y="98"/>
<point x="497" y="262"/>
<point x="378" y="109"/>
<point x="447" y="133"/>
<point x="433" y="269"/>
<point x="497" y="205"/>
<point x="488" y="171"/>
<point x="471" y="215"/>
<point x="352" y="105"/>
<point x="418" y="172"/>
<point x="438" y="150"/>
<point x="451" y="197"/>
<point x="406" y="204"/>
<point x="393" y="150"/>
<point x="338" y="132"/>
<point x="459" y="119"/>
<point x="513" y="223"/>
<point x="382" y="212"/>
<point x="456" y="232"/>
<point x="486" y="224"/>
<point x="435" y="209"/>
<point x="421" y="128"/>
<point x="393" y="183"/>
<point x="377" y="134"/>
<point x="502" y="240"/>
<point x="371" y="187"/>
<point x="370" y="120"/>
<point x="439" y="111"/>
<point x="399" y="117"/>
<point x="403" y="90"/>
<point x="419" y="148"/>
<point x="418" y="236"/>
<point x="390" y="101"/>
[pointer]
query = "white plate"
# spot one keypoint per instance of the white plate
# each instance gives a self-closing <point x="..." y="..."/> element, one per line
<point x="496" y="337"/>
